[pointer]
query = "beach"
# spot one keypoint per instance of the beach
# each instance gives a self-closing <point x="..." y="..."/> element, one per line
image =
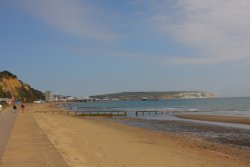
<point x="84" y="141"/>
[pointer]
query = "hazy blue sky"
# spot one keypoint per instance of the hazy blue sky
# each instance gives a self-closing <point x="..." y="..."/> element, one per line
<point x="87" y="47"/>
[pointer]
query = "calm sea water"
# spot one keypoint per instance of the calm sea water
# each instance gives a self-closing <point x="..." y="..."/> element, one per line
<point x="239" y="106"/>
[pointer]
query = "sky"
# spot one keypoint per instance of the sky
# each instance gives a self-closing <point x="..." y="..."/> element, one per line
<point x="90" y="47"/>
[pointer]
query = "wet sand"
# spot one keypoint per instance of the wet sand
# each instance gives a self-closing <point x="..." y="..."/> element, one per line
<point x="237" y="137"/>
<point x="91" y="142"/>
<point x="218" y="118"/>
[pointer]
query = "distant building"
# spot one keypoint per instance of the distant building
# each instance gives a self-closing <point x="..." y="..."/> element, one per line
<point x="49" y="96"/>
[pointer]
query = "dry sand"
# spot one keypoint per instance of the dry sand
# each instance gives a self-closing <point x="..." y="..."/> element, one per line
<point x="85" y="142"/>
<point x="218" y="118"/>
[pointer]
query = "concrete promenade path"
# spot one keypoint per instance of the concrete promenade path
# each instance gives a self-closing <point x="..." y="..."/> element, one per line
<point x="27" y="145"/>
<point x="7" y="120"/>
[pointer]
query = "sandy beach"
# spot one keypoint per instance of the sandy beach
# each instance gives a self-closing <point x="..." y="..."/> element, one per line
<point x="218" y="118"/>
<point x="94" y="142"/>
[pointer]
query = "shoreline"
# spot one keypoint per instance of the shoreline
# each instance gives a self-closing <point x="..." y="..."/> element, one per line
<point x="217" y="134"/>
<point x="217" y="118"/>
<point x="91" y="142"/>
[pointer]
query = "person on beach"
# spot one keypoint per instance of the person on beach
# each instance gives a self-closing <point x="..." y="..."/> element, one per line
<point x="22" y="106"/>
<point x="14" y="108"/>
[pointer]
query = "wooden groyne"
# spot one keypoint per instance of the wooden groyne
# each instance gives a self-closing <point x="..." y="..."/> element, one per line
<point x="101" y="113"/>
<point x="54" y="111"/>
<point x="87" y="113"/>
<point x="148" y="112"/>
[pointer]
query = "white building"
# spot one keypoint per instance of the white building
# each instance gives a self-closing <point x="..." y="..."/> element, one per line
<point x="49" y="96"/>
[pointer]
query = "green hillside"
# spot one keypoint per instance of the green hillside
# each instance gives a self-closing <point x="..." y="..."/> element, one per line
<point x="158" y="95"/>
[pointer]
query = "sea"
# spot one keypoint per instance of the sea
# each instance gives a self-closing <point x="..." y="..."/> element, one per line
<point x="165" y="119"/>
<point x="235" y="106"/>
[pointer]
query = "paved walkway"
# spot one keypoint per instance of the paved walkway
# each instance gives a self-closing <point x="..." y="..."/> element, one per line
<point x="7" y="120"/>
<point x="28" y="146"/>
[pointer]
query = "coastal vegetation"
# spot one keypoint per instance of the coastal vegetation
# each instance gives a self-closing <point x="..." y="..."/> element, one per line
<point x="11" y="86"/>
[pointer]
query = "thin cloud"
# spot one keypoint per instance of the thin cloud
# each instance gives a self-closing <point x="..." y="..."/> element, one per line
<point x="74" y="17"/>
<point x="218" y="30"/>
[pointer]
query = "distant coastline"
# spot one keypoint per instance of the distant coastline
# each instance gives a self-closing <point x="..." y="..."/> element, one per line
<point x="157" y="95"/>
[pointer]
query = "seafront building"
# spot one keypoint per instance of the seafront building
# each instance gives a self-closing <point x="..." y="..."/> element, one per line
<point x="7" y="100"/>
<point x="49" y="96"/>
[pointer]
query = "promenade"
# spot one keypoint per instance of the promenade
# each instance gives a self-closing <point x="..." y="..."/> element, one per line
<point x="23" y="143"/>
<point x="7" y="120"/>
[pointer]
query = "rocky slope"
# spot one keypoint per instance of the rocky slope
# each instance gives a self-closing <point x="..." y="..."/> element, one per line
<point x="11" y="86"/>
